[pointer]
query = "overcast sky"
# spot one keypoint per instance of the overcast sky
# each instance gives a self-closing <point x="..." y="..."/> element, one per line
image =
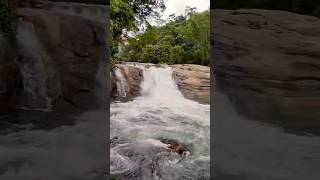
<point x="178" y="6"/>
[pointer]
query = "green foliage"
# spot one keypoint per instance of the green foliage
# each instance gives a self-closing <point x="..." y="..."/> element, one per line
<point x="127" y="15"/>
<point x="184" y="39"/>
<point x="310" y="7"/>
<point x="176" y="54"/>
<point x="7" y="17"/>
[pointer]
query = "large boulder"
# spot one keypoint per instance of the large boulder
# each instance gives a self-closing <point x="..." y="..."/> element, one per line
<point x="267" y="62"/>
<point x="133" y="76"/>
<point x="60" y="56"/>
<point x="193" y="81"/>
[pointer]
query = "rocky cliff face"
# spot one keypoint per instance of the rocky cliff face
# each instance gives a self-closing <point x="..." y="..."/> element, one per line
<point x="267" y="62"/>
<point x="58" y="58"/>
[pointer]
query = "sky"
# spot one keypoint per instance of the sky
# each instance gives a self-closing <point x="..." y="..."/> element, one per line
<point x="178" y="6"/>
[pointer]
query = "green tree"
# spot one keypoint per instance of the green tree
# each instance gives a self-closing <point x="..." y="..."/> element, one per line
<point x="176" y="54"/>
<point x="183" y="39"/>
<point x="128" y="15"/>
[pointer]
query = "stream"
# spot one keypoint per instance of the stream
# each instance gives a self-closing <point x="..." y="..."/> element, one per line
<point x="139" y="126"/>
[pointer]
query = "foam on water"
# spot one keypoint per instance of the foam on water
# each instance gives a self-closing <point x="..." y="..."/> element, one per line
<point x="160" y="112"/>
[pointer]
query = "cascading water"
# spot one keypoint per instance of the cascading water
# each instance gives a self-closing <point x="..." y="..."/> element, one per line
<point x="121" y="83"/>
<point x="34" y="69"/>
<point x="161" y="112"/>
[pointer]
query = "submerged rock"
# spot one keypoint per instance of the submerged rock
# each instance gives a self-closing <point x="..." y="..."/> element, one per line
<point x="178" y="148"/>
<point x="175" y="146"/>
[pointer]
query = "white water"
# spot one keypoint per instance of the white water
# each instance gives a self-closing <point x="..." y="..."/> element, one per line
<point x="35" y="69"/>
<point x="160" y="112"/>
<point x="121" y="83"/>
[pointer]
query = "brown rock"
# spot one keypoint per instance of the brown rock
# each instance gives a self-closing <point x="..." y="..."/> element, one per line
<point x="62" y="54"/>
<point x="267" y="62"/>
<point x="134" y="77"/>
<point x="193" y="81"/>
<point x="178" y="148"/>
<point x="174" y="146"/>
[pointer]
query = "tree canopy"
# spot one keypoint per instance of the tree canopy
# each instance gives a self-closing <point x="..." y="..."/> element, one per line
<point x="128" y="15"/>
<point x="184" y="39"/>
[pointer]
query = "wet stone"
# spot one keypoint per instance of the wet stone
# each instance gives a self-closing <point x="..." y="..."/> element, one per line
<point x="175" y="146"/>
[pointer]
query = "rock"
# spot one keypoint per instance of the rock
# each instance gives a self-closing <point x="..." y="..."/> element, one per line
<point x="193" y="81"/>
<point x="178" y="148"/>
<point x="113" y="81"/>
<point x="59" y="57"/>
<point x="2" y="51"/>
<point x="267" y="62"/>
<point x="175" y="146"/>
<point x="133" y="76"/>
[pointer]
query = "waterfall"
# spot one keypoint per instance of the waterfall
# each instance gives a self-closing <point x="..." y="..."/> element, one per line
<point x="121" y="83"/>
<point x="159" y="84"/>
<point x="34" y="69"/>
<point x="160" y="112"/>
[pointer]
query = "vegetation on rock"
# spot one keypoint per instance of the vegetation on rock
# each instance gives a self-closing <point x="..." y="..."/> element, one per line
<point x="7" y="17"/>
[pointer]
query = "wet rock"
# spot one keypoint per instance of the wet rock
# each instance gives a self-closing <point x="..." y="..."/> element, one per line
<point x="193" y="81"/>
<point x="178" y="148"/>
<point x="59" y="58"/>
<point x="113" y="84"/>
<point x="267" y="62"/>
<point x="175" y="146"/>
<point x="133" y="76"/>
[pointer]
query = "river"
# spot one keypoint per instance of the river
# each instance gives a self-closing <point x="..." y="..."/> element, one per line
<point x="161" y="112"/>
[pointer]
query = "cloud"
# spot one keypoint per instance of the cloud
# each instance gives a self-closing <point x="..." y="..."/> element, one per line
<point x="178" y="6"/>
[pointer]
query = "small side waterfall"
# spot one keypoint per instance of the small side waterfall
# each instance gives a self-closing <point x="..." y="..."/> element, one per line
<point x="34" y="69"/>
<point x="121" y="83"/>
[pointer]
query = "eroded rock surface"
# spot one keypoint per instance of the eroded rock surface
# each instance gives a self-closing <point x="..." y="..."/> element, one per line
<point x="193" y="81"/>
<point x="133" y="76"/>
<point x="59" y="57"/>
<point x="267" y="62"/>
